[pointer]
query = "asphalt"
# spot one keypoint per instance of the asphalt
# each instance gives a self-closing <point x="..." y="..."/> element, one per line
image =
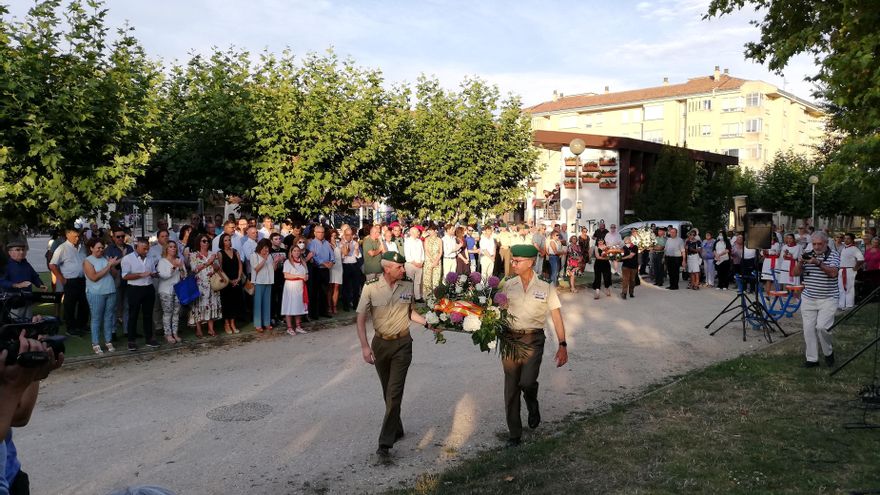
<point x="280" y="414"/>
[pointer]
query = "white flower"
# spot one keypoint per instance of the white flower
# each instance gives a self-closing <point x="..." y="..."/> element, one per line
<point x="444" y="317"/>
<point x="492" y="345"/>
<point x="480" y="287"/>
<point x="458" y="289"/>
<point x="432" y="318"/>
<point x="462" y="279"/>
<point x="482" y="299"/>
<point x="495" y="310"/>
<point x="471" y="324"/>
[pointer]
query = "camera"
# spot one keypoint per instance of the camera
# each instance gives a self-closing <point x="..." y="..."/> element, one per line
<point x="44" y="331"/>
<point x="807" y="256"/>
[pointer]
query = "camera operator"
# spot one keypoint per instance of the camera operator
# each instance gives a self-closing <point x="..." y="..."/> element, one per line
<point x="19" y="387"/>
<point x="20" y="275"/>
<point x="819" y="269"/>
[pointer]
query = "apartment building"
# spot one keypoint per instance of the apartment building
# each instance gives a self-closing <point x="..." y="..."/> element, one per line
<point x="749" y="119"/>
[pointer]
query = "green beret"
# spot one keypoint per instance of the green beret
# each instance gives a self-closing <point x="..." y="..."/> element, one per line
<point x="393" y="256"/>
<point x="523" y="251"/>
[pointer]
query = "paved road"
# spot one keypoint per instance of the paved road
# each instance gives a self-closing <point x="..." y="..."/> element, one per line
<point x="315" y="407"/>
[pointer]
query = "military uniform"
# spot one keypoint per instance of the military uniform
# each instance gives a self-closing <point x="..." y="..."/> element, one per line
<point x="390" y="308"/>
<point x="504" y="238"/>
<point x="529" y="306"/>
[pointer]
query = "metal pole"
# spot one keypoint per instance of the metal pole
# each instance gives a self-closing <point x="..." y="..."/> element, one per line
<point x="814" y="206"/>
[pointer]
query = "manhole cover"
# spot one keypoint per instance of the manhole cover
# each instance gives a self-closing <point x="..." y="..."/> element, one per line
<point x="243" y="411"/>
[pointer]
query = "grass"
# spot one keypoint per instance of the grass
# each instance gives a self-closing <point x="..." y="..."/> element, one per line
<point x="77" y="347"/>
<point x="755" y="424"/>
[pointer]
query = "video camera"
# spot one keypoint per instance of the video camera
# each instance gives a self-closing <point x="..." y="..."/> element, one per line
<point x="45" y="330"/>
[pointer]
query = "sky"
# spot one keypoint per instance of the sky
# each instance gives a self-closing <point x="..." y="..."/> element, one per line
<point x="527" y="48"/>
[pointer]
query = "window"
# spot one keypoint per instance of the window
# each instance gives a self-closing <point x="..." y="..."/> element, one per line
<point x="705" y="105"/>
<point x="654" y="112"/>
<point x="706" y="130"/>
<point x="753" y="125"/>
<point x="754" y="99"/>
<point x="754" y="152"/>
<point x="653" y="136"/>
<point x="731" y="130"/>
<point x="731" y="152"/>
<point x="734" y="104"/>
<point x="568" y="122"/>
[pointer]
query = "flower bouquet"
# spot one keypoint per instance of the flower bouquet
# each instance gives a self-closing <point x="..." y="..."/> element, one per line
<point x="469" y="304"/>
<point x="614" y="253"/>
<point x="644" y="238"/>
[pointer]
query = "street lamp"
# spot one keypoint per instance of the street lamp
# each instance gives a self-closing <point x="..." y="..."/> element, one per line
<point x="813" y="181"/>
<point x="577" y="146"/>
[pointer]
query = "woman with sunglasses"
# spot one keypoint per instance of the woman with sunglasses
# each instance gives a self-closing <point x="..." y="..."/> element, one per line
<point x="100" y="292"/>
<point x="207" y="307"/>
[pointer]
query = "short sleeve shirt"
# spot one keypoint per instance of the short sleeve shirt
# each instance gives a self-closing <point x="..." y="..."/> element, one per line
<point x="849" y="256"/>
<point x="69" y="259"/>
<point x="674" y="246"/>
<point x="817" y="284"/>
<point x="372" y="263"/>
<point x="388" y="306"/>
<point x="530" y="305"/>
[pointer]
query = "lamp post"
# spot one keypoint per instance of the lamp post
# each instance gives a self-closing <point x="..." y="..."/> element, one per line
<point x="813" y="181"/>
<point x="577" y="146"/>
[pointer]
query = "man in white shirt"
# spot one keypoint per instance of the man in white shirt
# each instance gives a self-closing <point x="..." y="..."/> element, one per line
<point x="268" y="228"/>
<point x="67" y="266"/>
<point x="851" y="259"/>
<point x="137" y="270"/>
<point x="240" y="233"/>
<point x="450" y="249"/>
<point x="674" y="252"/>
<point x="613" y="239"/>
<point x="414" y="252"/>
<point x="487" y="252"/>
<point x="228" y="229"/>
<point x="248" y="246"/>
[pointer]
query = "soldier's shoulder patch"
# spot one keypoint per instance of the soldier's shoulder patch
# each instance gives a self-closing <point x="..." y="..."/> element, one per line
<point x="509" y="277"/>
<point x="370" y="282"/>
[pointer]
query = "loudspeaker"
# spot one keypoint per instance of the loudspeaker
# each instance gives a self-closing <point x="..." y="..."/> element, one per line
<point x="759" y="230"/>
<point x="740" y="208"/>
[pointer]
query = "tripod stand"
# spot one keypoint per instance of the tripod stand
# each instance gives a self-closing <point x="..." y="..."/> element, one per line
<point x="748" y="311"/>
<point x="870" y="394"/>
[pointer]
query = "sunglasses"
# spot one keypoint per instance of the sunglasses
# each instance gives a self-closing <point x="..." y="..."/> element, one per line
<point x="119" y="236"/>
<point x="204" y="241"/>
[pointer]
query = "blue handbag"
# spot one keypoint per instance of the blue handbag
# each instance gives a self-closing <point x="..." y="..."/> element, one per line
<point x="187" y="290"/>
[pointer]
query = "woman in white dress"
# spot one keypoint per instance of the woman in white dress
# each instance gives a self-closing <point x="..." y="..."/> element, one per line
<point x="294" y="302"/>
<point x="771" y="266"/>
<point x="335" y="272"/>
<point x="788" y="258"/>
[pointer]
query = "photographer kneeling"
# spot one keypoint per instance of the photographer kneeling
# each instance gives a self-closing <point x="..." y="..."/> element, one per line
<point x="819" y="269"/>
<point x="23" y="363"/>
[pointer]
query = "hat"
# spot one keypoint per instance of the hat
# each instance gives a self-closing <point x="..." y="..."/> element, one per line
<point x="393" y="256"/>
<point x="523" y="251"/>
<point x="16" y="243"/>
<point x="394" y="224"/>
<point x="503" y="225"/>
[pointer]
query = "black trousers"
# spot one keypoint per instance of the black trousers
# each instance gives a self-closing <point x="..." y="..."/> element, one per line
<point x="140" y="299"/>
<point x="673" y="269"/>
<point x="658" y="269"/>
<point x="21" y="485"/>
<point x="76" y="306"/>
<point x="601" y="270"/>
<point x="521" y="380"/>
<point x="319" y="280"/>
<point x="277" y="294"/>
<point x="351" y="285"/>
<point x="645" y="258"/>
<point x="723" y="274"/>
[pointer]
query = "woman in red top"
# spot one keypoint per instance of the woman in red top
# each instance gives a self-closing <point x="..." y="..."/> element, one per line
<point x="872" y="255"/>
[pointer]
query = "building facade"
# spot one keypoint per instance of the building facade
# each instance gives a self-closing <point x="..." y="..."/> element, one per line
<point x="751" y="120"/>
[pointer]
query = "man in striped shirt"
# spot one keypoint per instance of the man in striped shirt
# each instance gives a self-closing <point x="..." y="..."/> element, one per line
<point x="819" y="269"/>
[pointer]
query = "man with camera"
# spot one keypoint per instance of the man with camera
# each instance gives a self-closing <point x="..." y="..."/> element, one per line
<point x="819" y="269"/>
<point x="19" y="386"/>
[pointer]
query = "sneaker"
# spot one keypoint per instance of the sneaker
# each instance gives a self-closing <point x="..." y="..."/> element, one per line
<point x="300" y="331"/>
<point x="132" y="346"/>
<point x="829" y="360"/>
<point x="152" y="344"/>
<point x="97" y="349"/>
<point x="110" y="347"/>
<point x="811" y="364"/>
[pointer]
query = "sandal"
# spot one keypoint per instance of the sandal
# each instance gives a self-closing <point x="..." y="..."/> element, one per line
<point x="299" y="330"/>
<point x="178" y="339"/>
<point x="291" y="332"/>
<point x="258" y="329"/>
<point x="170" y="339"/>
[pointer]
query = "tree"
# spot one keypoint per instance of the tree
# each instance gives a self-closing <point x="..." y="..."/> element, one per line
<point x="785" y="185"/>
<point x="76" y="113"/>
<point x="466" y="153"/>
<point x="669" y="186"/>
<point x="711" y="202"/>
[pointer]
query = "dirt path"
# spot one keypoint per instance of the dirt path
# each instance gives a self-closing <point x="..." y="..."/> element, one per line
<point x="307" y="409"/>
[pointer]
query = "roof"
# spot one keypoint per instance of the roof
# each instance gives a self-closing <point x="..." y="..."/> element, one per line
<point x="699" y="85"/>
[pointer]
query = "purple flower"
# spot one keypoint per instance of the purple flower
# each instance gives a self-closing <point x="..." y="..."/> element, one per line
<point x="476" y="277"/>
<point x="500" y="299"/>
<point x="456" y="318"/>
<point x="494" y="282"/>
<point x="451" y="277"/>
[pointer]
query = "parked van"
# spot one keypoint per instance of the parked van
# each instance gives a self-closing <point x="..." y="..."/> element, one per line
<point x="683" y="226"/>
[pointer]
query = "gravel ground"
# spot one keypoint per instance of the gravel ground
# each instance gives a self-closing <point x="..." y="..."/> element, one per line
<point x="301" y="414"/>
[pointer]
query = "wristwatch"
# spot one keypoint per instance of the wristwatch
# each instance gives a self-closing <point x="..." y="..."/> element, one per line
<point x="563" y="343"/>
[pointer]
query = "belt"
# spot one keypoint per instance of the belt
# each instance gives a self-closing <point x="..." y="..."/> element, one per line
<point x="528" y="331"/>
<point x="401" y="335"/>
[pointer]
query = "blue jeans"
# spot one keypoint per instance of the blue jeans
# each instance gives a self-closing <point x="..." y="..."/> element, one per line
<point x="103" y="309"/>
<point x="554" y="269"/>
<point x="262" y="305"/>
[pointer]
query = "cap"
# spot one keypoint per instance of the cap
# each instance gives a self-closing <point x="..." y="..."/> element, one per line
<point x="16" y="243"/>
<point x="393" y="256"/>
<point x="523" y="251"/>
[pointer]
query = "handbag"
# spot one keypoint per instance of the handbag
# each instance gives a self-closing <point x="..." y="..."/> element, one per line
<point x="249" y="287"/>
<point x="219" y="281"/>
<point x="187" y="290"/>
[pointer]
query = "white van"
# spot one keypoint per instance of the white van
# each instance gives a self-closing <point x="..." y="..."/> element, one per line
<point x="683" y="226"/>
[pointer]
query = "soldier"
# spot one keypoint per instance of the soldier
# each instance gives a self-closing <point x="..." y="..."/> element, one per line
<point x="530" y="298"/>
<point x="388" y="299"/>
